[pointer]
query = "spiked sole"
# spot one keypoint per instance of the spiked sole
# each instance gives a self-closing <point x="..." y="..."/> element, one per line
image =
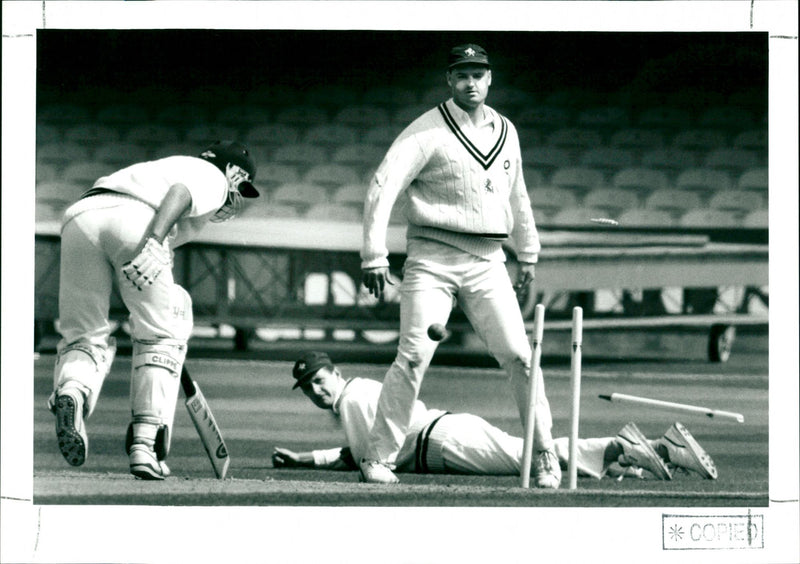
<point x="680" y="438"/>
<point x="70" y="441"/>
<point x="631" y="434"/>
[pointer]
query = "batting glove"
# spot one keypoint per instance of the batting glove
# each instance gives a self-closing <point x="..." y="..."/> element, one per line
<point x="148" y="264"/>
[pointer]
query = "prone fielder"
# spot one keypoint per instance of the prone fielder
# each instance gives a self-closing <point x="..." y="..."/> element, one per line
<point x="124" y="228"/>
<point x="439" y="442"/>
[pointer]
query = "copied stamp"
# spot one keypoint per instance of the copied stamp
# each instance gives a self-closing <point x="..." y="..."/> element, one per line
<point x="712" y="532"/>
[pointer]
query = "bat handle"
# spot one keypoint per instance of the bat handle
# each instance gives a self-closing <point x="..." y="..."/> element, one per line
<point x="186" y="383"/>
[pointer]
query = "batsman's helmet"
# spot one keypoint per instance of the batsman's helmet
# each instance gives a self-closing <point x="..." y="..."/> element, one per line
<point x="222" y="153"/>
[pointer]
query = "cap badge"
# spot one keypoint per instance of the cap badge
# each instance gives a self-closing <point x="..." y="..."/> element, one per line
<point x="469" y="52"/>
<point x="301" y="366"/>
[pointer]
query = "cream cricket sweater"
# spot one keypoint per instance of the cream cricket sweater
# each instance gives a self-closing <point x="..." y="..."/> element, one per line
<point x="460" y="184"/>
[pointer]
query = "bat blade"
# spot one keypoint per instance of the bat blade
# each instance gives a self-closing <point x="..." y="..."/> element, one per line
<point x="206" y="425"/>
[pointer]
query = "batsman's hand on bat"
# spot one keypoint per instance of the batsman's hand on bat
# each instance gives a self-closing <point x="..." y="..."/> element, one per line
<point x="148" y="264"/>
<point x="375" y="279"/>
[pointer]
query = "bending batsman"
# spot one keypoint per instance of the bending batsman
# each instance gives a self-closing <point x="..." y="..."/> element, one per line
<point x="125" y="228"/>
<point x="439" y="442"/>
<point x="458" y="170"/>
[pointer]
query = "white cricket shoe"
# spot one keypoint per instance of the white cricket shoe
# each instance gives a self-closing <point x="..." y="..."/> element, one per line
<point x="637" y="451"/>
<point x="546" y="470"/>
<point x="683" y="451"/>
<point x="376" y="472"/>
<point x="73" y="443"/>
<point x="144" y="463"/>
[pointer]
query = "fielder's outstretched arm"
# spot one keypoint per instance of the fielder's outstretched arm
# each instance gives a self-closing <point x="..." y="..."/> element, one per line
<point x="330" y="459"/>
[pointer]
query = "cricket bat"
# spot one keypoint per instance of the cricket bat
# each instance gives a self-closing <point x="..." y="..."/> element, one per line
<point x="206" y="425"/>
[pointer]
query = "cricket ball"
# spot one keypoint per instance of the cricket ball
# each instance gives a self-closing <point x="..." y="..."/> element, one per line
<point x="437" y="332"/>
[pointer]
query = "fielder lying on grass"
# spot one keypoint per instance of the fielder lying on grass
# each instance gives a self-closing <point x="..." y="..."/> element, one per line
<point x="439" y="442"/>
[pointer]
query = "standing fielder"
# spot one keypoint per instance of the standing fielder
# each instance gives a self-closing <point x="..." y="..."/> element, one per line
<point x="439" y="442"/>
<point x="459" y="170"/>
<point x="124" y="227"/>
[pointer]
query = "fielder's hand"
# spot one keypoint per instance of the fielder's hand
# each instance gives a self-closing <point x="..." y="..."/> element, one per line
<point x="148" y="264"/>
<point x="285" y="458"/>
<point x="527" y="273"/>
<point x="375" y="279"/>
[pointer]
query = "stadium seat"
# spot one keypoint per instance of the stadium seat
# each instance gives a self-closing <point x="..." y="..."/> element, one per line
<point x="669" y="160"/>
<point x="642" y="217"/>
<point x="754" y="179"/>
<point x="710" y="218"/>
<point x="207" y="133"/>
<point x="183" y="115"/>
<point x="362" y="116"/>
<point x="546" y="159"/>
<point x="122" y="115"/>
<point x="752" y="139"/>
<point x="727" y="117"/>
<point x="664" y="118"/>
<point x="266" y="209"/>
<point x="331" y="175"/>
<point x="300" y="154"/>
<point x="275" y="93"/>
<point x="90" y="133"/>
<point x="641" y="180"/>
<point x="62" y="113"/>
<point x="703" y="180"/>
<point x="605" y="118"/>
<point x="330" y="135"/>
<point x="334" y="212"/>
<point x="57" y="195"/>
<point x="532" y="176"/>
<point x="544" y="117"/>
<point x="170" y="149"/>
<point x="300" y="194"/>
<point x="302" y="116"/>
<point x="698" y="139"/>
<point x="673" y="200"/>
<point x="574" y="98"/>
<point x="331" y="95"/>
<point x="273" y="134"/>
<point x="271" y="175"/>
<point x="242" y="116"/>
<point x="362" y="155"/>
<point x="577" y="217"/>
<point x="121" y="154"/>
<point x="47" y="133"/>
<point x="45" y="172"/>
<point x="607" y="159"/>
<point x="731" y="160"/>
<point x="406" y="114"/>
<point x="86" y="172"/>
<point x="352" y="194"/>
<point x="574" y="138"/>
<point x="756" y="219"/>
<point x="615" y="200"/>
<point x="61" y="153"/>
<point x="736" y="200"/>
<point x="381" y="136"/>
<point x="151" y="134"/>
<point x="637" y="139"/>
<point x="390" y="96"/>
<point x="577" y="178"/>
<point x="551" y="199"/>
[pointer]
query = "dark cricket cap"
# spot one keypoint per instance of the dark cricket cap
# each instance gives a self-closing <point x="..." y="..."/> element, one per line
<point x="220" y="153"/>
<point x="307" y="365"/>
<point x="467" y="54"/>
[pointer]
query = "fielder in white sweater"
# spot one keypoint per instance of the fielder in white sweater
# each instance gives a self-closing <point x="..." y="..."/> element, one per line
<point x="439" y="442"/>
<point x="457" y="172"/>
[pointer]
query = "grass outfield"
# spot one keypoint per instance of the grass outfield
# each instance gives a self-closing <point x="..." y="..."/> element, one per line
<point x="257" y="410"/>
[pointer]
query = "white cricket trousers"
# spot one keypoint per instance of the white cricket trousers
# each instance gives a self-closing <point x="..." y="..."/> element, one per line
<point x="435" y="276"/>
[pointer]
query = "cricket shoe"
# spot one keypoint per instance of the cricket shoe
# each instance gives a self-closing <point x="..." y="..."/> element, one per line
<point x="683" y="451"/>
<point x="144" y="463"/>
<point x="73" y="443"/>
<point x="376" y="472"/>
<point x="637" y="451"/>
<point x="546" y="470"/>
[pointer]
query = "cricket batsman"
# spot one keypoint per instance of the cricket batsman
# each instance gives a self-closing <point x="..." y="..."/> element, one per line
<point x="124" y="230"/>
<point x="440" y="442"/>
